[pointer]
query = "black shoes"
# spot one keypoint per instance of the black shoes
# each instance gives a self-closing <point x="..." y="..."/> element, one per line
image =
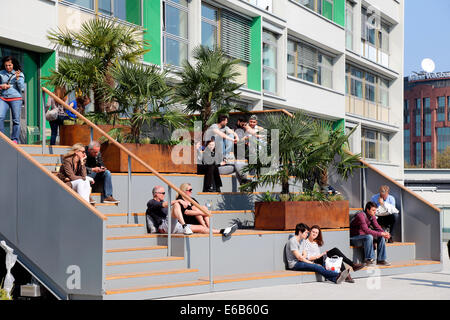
<point x="342" y="276"/>
<point x="357" y="267"/>
<point x="383" y="263"/>
<point x="230" y="230"/>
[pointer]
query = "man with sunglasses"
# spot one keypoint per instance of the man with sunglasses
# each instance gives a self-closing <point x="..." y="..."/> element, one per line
<point x="157" y="214"/>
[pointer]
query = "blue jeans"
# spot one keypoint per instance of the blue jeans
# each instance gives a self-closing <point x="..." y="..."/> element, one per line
<point x="15" y="117"/>
<point x="303" y="266"/>
<point x="366" y="241"/>
<point x="54" y="125"/>
<point x="107" y="183"/>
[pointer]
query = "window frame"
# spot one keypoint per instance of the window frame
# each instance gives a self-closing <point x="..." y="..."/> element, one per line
<point x="381" y="141"/>
<point x="169" y="36"/>
<point x="274" y="45"/>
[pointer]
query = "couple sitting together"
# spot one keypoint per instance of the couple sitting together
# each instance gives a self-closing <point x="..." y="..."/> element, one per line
<point x="185" y="217"/>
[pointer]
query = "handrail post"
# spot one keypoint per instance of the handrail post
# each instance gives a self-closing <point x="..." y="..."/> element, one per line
<point x="169" y="221"/>
<point x="43" y="123"/>
<point x="363" y="187"/>
<point x="92" y="134"/>
<point x="129" y="192"/>
<point x="211" y="279"/>
<point x="402" y="229"/>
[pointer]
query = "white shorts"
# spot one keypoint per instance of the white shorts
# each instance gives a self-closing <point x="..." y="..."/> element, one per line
<point x="176" y="226"/>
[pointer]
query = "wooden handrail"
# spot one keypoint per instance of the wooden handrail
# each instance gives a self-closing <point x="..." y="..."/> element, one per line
<point x="132" y="155"/>
<point x="386" y="176"/>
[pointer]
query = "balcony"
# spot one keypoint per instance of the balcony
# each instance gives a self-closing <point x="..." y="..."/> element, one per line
<point x="367" y="109"/>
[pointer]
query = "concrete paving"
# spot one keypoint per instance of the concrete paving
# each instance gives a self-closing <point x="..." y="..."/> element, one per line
<point x="417" y="286"/>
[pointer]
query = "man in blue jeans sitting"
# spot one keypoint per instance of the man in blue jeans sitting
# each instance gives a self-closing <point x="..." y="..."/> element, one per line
<point x="97" y="171"/>
<point x="297" y="258"/>
<point x="364" y="230"/>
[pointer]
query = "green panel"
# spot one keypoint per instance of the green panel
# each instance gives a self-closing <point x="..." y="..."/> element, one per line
<point x="339" y="12"/>
<point x="254" y="70"/>
<point x="327" y="10"/>
<point x="133" y="8"/>
<point x="30" y="65"/>
<point x="48" y="63"/>
<point x="152" y="26"/>
<point x="339" y="125"/>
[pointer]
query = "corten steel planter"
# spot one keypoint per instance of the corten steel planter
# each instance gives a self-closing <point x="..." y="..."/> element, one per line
<point x="286" y="215"/>
<point x="158" y="156"/>
<point x="81" y="133"/>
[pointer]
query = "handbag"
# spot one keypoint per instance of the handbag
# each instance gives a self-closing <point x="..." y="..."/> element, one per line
<point x="333" y="264"/>
<point x="51" y="114"/>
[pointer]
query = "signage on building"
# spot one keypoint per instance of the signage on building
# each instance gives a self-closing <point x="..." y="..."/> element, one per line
<point x="428" y="76"/>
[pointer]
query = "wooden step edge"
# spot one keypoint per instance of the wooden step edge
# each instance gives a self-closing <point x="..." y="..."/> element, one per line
<point x="101" y="204"/>
<point x="151" y="260"/>
<point x="124" y="214"/>
<point x="403" y="264"/>
<point x="46" y="145"/>
<point x="355" y="209"/>
<point x="51" y="164"/>
<point x="136" y="249"/>
<point x="395" y="244"/>
<point x="148" y="274"/>
<point x="159" y="287"/>
<point x="143" y="213"/>
<point x="241" y="232"/>
<point x="259" y="276"/>
<point x="239" y="193"/>
<point x="45" y="155"/>
<point x="112" y="226"/>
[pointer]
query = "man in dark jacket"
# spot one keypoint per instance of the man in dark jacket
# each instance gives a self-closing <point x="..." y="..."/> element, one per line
<point x="364" y="230"/>
<point x="96" y="169"/>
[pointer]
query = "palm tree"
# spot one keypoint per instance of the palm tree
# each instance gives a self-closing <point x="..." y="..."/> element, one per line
<point x="91" y="53"/>
<point x="142" y="93"/>
<point x="306" y="147"/>
<point x="208" y="87"/>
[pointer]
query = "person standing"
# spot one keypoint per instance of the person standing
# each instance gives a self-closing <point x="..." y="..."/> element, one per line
<point x="207" y="165"/>
<point x="12" y="84"/>
<point x="60" y="92"/>
<point x="96" y="169"/>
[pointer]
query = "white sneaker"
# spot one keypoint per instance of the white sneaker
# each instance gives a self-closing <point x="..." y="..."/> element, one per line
<point x="230" y="230"/>
<point x="187" y="230"/>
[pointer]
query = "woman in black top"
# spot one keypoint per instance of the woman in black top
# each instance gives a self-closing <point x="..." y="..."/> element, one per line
<point x="209" y="166"/>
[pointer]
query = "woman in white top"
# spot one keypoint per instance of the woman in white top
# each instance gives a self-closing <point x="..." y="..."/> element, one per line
<point x="312" y="248"/>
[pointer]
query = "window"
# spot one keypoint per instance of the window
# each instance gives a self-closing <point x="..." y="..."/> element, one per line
<point x="269" y="62"/>
<point x="441" y="109"/>
<point x="367" y="86"/>
<point x="443" y="138"/>
<point x="349" y="25"/>
<point x="175" y="31"/>
<point x="309" y="63"/>
<point x="323" y="7"/>
<point x="427" y="116"/>
<point x="418" y="154"/>
<point x="228" y="30"/>
<point x="126" y="10"/>
<point x="427" y="155"/>
<point x="418" y="118"/>
<point x="374" y="38"/>
<point x="406" y="115"/>
<point x="448" y="108"/>
<point x="407" y="147"/>
<point x="375" y="145"/>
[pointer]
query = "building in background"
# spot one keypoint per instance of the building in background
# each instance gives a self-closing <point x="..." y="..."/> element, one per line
<point x="427" y="118"/>
<point x="339" y="60"/>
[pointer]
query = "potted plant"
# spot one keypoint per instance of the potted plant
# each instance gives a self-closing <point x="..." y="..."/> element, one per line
<point x="88" y="58"/>
<point x="144" y="99"/>
<point x="307" y="149"/>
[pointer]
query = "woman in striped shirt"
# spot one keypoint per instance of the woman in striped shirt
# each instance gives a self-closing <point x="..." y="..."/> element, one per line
<point x="312" y="248"/>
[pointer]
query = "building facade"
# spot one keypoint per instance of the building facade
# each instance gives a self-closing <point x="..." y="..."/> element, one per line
<point x="339" y="60"/>
<point x="427" y="118"/>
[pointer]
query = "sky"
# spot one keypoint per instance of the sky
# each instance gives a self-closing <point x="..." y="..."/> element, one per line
<point x="427" y="34"/>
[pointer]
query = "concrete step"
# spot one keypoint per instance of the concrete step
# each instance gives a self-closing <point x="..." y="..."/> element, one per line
<point x="107" y="207"/>
<point x="35" y="149"/>
<point x="149" y="278"/>
<point x="130" y="241"/>
<point x="47" y="158"/>
<point x="133" y="253"/>
<point x="260" y="279"/>
<point x="397" y="251"/>
<point x="143" y="265"/>
<point x="125" y="229"/>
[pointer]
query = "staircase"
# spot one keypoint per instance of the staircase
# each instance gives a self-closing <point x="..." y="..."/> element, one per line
<point x="137" y="265"/>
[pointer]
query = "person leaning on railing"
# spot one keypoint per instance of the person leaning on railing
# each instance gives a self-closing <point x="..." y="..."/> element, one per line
<point x="56" y="117"/>
<point x="73" y="171"/>
<point x="12" y="84"/>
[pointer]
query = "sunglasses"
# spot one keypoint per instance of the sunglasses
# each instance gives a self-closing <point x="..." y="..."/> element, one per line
<point x="161" y="192"/>
<point x="82" y="151"/>
<point x="190" y="190"/>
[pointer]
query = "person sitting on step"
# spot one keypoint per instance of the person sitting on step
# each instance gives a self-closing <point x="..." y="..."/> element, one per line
<point x="73" y="171"/>
<point x="209" y="166"/>
<point x="387" y="214"/>
<point x="312" y="247"/>
<point x="365" y="230"/>
<point x="96" y="169"/>
<point x="297" y="258"/>
<point x="198" y="220"/>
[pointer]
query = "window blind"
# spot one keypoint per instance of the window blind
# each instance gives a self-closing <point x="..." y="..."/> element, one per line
<point x="307" y="56"/>
<point x="235" y="35"/>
